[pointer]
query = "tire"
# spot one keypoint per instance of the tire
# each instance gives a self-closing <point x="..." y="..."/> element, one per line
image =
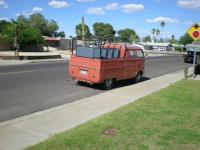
<point x="108" y="84"/>
<point x="138" y="78"/>
<point x="79" y="82"/>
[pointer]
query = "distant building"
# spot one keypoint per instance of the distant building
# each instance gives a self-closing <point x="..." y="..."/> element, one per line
<point x="195" y="46"/>
<point x="156" y="46"/>
<point x="58" y="43"/>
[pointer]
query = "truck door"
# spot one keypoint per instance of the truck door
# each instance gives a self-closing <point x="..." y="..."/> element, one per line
<point x="140" y="60"/>
<point x="130" y="65"/>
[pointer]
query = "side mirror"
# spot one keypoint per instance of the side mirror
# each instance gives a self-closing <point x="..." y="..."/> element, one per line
<point x="146" y="55"/>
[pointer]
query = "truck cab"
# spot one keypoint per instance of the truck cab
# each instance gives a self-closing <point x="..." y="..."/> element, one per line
<point x="106" y="64"/>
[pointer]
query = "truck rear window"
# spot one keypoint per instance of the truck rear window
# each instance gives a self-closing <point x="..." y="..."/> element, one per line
<point x="85" y="52"/>
<point x="93" y="52"/>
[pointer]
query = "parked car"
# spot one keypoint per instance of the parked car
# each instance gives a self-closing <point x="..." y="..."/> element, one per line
<point x="191" y="48"/>
<point x="106" y="64"/>
<point x="190" y="56"/>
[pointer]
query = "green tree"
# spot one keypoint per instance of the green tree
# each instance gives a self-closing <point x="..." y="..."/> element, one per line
<point x="30" y="36"/>
<point x="153" y="31"/>
<point x="38" y="21"/>
<point x="22" y="20"/>
<point x="104" y="31"/>
<point x="51" y="28"/>
<point x="116" y="39"/>
<point x="21" y="34"/>
<point x="162" y="24"/>
<point x="3" y="24"/>
<point x="185" y="39"/>
<point x="128" y="35"/>
<point x="172" y="40"/>
<point x="157" y="32"/>
<point x="8" y="33"/>
<point x="61" y="34"/>
<point x="46" y="27"/>
<point x="79" y="32"/>
<point x="147" y="38"/>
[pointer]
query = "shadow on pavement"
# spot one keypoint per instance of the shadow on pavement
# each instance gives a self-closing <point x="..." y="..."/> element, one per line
<point x="117" y="84"/>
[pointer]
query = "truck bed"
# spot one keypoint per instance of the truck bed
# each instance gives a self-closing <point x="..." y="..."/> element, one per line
<point x="95" y="70"/>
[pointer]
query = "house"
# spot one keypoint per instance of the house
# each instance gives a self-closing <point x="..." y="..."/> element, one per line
<point x="57" y="43"/>
<point x="156" y="46"/>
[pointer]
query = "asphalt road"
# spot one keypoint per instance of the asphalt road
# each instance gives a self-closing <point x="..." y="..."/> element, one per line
<point x="29" y="88"/>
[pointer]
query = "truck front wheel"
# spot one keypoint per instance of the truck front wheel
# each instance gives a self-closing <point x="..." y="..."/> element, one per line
<point x="108" y="84"/>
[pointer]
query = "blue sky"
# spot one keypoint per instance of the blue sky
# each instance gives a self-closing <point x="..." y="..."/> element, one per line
<point x="140" y="15"/>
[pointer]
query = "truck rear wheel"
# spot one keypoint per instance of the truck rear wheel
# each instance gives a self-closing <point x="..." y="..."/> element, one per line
<point x="138" y="77"/>
<point x="108" y="84"/>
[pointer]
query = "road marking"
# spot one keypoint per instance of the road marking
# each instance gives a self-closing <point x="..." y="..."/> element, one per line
<point x="17" y="72"/>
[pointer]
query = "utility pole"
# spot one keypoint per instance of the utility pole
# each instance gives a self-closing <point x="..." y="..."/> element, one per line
<point x="83" y="31"/>
<point x="16" y="41"/>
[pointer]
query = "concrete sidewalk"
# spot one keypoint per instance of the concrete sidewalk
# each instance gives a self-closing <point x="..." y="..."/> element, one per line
<point x="31" y="129"/>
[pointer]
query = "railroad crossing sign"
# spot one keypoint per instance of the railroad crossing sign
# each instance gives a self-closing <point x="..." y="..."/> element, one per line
<point x="194" y="32"/>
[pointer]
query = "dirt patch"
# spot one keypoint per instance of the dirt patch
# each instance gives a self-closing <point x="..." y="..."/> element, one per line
<point x="111" y="132"/>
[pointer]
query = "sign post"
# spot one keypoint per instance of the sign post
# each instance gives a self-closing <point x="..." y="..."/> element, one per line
<point x="194" y="33"/>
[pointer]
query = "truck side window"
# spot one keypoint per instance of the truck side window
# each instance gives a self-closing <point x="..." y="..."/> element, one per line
<point x="96" y="53"/>
<point x="103" y="53"/>
<point x="110" y="53"/>
<point x="116" y="53"/>
<point x="140" y="54"/>
<point x="132" y="54"/>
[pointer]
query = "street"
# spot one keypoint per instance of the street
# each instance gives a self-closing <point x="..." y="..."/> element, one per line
<point x="29" y="88"/>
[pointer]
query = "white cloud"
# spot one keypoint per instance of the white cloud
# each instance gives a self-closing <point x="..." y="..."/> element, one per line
<point x="189" y="23"/>
<point x="112" y="6"/>
<point x="28" y="13"/>
<point x="85" y="0"/>
<point x="95" y="11"/>
<point x="37" y="9"/>
<point x="4" y="19"/>
<point x="58" y="4"/>
<point x="189" y="4"/>
<point x="3" y="4"/>
<point x="165" y="19"/>
<point x="24" y="13"/>
<point x="128" y="8"/>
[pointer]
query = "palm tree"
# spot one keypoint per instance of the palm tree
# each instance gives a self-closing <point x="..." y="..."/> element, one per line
<point x="157" y="32"/>
<point x="153" y="31"/>
<point x="162" y="24"/>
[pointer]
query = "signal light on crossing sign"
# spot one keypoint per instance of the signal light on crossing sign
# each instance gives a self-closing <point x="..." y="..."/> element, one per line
<point x="194" y="32"/>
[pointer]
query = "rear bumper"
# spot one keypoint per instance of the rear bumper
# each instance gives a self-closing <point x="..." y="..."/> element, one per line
<point x="92" y="76"/>
<point x="188" y="59"/>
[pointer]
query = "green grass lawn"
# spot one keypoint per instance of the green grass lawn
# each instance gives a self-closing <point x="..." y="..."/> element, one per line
<point x="168" y="119"/>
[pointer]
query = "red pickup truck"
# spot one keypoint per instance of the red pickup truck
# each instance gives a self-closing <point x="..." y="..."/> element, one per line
<point x="107" y="64"/>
